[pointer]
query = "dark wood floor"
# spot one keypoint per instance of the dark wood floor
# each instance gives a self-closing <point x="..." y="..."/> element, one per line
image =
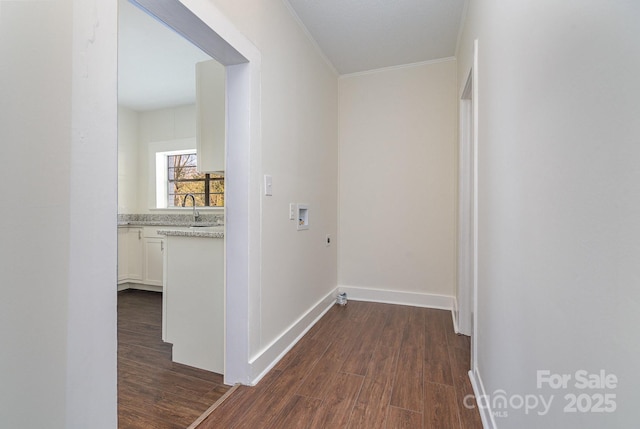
<point x="153" y="392"/>
<point x="365" y="365"/>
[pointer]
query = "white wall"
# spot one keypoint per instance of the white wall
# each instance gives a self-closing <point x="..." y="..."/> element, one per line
<point x="157" y="130"/>
<point x="398" y="181"/>
<point x="127" y="160"/>
<point x="298" y="96"/>
<point x="58" y="265"/>
<point x="33" y="355"/>
<point x="559" y="197"/>
<point x="140" y="136"/>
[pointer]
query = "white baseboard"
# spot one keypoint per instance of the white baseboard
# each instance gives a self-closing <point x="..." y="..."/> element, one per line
<point x="415" y="299"/>
<point x="266" y="359"/>
<point x="486" y="414"/>
<point x="139" y="286"/>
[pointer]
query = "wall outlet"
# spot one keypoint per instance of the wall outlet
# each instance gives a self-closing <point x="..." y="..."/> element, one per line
<point x="327" y="240"/>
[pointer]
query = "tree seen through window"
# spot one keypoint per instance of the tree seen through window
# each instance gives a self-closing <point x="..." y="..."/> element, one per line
<point x="183" y="179"/>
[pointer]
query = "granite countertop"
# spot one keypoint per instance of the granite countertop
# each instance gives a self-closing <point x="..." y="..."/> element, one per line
<point x="167" y="223"/>
<point x="208" y="225"/>
<point x="203" y="232"/>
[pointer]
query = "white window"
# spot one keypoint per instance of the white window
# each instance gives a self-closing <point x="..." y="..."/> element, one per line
<point x="177" y="176"/>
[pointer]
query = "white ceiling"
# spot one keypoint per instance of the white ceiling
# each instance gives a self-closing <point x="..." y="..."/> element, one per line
<point x="156" y="65"/>
<point x="360" y="35"/>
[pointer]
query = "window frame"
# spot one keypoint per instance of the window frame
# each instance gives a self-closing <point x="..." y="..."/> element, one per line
<point x="163" y="182"/>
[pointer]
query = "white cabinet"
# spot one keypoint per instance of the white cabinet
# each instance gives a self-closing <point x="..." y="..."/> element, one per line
<point x="134" y="242"/>
<point x="193" y="299"/>
<point x="129" y="254"/>
<point x="140" y="260"/>
<point x="153" y="248"/>
<point x="210" y="116"/>
<point x="123" y="254"/>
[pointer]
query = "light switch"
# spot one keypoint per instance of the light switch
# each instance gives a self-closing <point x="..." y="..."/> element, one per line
<point x="292" y="211"/>
<point x="268" y="185"/>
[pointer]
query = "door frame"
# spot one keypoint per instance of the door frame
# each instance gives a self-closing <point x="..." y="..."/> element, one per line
<point x="208" y="29"/>
<point x="467" y="287"/>
<point x="466" y="217"/>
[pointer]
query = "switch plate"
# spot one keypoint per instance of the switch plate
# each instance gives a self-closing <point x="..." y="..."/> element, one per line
<point x="268" y="185"/>
<point x="292" y="211"/>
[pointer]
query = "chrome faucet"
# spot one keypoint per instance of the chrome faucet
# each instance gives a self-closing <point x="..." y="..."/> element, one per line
<point x="193" y="199"/>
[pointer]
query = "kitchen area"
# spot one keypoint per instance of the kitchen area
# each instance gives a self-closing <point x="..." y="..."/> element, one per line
<point x="184" y="261"/>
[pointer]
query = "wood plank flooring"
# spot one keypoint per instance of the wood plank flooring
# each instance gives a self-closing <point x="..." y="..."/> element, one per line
<point x="366" y="365"/>
<point x="154" y="392"/>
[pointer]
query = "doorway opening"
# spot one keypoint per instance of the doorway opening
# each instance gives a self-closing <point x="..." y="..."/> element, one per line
<point x="242" y="64"/>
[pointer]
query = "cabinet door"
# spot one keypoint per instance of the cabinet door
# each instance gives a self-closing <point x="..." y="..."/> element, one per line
<point x="153" y="263"/>
<point x="135" y="250"/>
<point x="123" y="254"/>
